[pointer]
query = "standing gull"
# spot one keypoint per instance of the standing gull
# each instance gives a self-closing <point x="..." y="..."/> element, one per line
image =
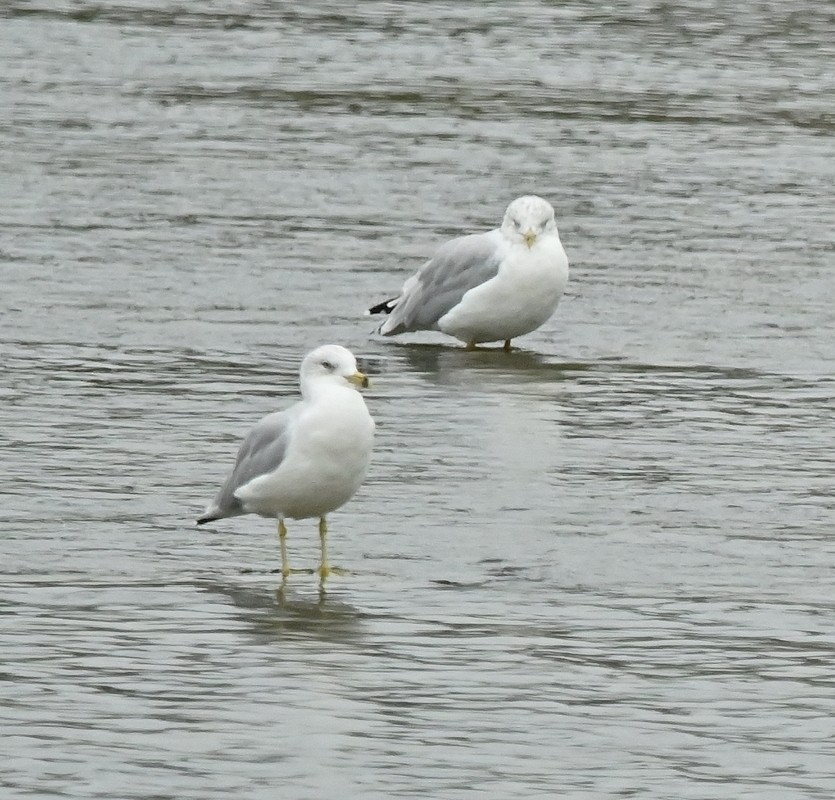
<point x="308" y="460"/>
<point x="486" y="287"/>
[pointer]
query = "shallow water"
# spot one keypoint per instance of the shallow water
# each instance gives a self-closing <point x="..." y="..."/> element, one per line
<point x="601" y="566"/>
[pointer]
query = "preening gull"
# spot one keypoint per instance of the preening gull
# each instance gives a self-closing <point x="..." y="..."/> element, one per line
<point x="308" y="460"/>
<point x="486" y="287"/>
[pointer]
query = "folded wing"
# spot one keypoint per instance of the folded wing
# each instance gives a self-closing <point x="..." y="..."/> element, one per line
<point x="458" y="266"/>
<point x="261" y="452"/>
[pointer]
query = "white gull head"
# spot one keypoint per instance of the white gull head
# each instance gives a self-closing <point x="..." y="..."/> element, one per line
<point x="527" y="218"/>
<point x="332" y="363"/>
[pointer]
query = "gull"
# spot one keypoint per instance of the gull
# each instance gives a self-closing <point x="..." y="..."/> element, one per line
<point x="308" y="460"/>
<point x="486" y="287"/>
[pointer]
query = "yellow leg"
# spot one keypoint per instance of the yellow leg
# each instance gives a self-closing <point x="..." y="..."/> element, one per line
<point x="282" y="536"/>
<point x="507" y="348"/>
<point x="471" y="346"/>
<point x="324" y="568"/>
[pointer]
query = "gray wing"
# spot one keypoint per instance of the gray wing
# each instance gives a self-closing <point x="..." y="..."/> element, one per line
<point x="261" y="452"/>
<point x="458" y="266"/>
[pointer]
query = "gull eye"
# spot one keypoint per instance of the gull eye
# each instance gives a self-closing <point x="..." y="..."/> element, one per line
<point x="328" y="366"/>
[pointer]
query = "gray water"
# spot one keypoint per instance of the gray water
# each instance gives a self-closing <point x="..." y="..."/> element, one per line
<point x="601" y="566"/>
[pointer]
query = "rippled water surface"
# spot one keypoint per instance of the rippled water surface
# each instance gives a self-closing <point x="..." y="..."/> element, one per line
<point x="601" y="566"/>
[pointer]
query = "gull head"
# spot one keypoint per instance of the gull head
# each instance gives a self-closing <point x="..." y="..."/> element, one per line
<point x="332" y="362"/>
<point x="527" y="218"/>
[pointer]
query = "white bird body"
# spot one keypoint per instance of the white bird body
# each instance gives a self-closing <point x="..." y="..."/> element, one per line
<point x="519" y="299"/>
<point x="489" y="286"/>
<point x="326" y="461"/>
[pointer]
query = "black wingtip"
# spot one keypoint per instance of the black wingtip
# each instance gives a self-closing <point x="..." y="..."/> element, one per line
<point x="386" y="307"/>
<point x="206" y="518"/>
